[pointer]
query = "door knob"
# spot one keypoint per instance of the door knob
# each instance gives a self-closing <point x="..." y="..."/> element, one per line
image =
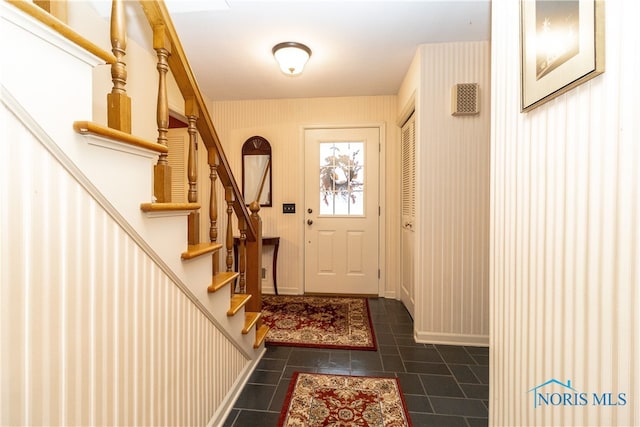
<point x="309" y="221"/>
<point x="310" y="210"/>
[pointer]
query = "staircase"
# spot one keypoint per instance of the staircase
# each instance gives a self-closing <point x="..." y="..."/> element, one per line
<point x="118" y="169"/>
<point x="171" y="58"/>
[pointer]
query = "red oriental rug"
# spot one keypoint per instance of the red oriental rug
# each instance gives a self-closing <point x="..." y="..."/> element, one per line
<point x="318" y="321"/>
<point x="315" y="400"/>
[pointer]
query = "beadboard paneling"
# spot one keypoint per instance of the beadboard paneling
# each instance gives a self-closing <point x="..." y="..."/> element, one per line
<point x="93" y="331"/>
<point x="452" y="197"/>
<point x="565" y="234"/>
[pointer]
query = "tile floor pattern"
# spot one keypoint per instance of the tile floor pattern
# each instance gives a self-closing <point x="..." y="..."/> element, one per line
<point x="443" y="385"/>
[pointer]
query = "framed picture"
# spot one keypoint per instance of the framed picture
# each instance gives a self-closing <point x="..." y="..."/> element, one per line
<point x="562" y="46"/>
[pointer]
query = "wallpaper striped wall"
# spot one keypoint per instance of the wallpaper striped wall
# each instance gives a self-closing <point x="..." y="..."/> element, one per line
<point x="565" y="236"/>
<point x="452" y="197"/>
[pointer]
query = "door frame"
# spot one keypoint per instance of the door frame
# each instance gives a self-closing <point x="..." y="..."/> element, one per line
<point x="381" y="126"/>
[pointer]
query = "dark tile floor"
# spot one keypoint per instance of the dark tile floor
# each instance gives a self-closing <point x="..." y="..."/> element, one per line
<point x="443" y="385"/>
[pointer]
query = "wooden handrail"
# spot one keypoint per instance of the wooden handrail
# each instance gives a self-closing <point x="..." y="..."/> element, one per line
<point x="158" y="15"/>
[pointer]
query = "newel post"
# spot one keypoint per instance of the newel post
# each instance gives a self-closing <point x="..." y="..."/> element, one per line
<point x="254" y="261"/>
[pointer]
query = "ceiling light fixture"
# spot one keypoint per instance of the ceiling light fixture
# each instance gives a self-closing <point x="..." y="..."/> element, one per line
<point x="291" y="57"/>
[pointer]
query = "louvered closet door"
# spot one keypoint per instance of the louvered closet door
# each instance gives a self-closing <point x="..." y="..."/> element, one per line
<point x="407" y="290"/>
<point x="178" y="144"/>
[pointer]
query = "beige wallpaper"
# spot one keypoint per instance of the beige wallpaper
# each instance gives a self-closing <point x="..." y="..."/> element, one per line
<point x="282" y="122"/>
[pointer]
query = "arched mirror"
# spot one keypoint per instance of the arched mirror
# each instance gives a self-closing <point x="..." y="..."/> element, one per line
<point x="256" y="171"/>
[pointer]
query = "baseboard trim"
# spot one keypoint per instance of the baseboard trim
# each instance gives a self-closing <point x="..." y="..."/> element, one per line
<point x="226" y="405"/>
<point x="390" y="294"/>
<point x="452" y="339"/>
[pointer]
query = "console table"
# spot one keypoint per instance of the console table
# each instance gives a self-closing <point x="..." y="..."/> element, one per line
<point x="266" y="241"/>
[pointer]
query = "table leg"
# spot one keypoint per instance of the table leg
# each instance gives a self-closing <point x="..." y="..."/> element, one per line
<point x="275" y="266"/>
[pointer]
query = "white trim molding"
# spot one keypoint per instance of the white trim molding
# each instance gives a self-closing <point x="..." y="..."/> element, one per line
<point x="452" y="339"/>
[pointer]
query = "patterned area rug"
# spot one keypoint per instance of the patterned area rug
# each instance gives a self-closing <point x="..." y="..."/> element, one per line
<point x="318" y="321"/>
<point x="344" y="401"/>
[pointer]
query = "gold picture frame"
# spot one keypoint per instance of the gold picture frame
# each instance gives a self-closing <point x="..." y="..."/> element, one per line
<point x="561" y="47"/>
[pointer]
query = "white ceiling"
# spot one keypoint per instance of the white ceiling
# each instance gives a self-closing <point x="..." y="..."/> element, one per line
<point x="359" y="47"/>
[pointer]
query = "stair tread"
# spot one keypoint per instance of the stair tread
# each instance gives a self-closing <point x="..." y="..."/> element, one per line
<point x="237" y="302"/>
<point x="250" y="319"/>
<point x="194" y="251"/>
<point x="168" y="207"/>
<point x="86" y="127"/>
<point x="261" y="335"/>
<point x="222" y="279"/>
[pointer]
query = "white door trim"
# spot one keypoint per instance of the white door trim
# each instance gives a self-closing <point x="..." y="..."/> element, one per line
<point x="382" y="244"/>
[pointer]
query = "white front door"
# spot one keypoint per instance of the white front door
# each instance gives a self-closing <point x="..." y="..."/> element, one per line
<point x="341" y="210"/>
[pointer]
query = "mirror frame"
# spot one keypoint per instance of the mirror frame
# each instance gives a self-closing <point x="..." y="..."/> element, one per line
<point x="257" y="146"/>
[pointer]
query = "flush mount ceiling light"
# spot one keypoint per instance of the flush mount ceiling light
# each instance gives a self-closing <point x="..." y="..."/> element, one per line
<point x="291" y="57"/>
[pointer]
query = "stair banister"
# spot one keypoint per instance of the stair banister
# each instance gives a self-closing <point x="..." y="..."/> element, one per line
<point x="250" y="226"/>
<point x="157" y="14"/>
<point x="171" y="56"/>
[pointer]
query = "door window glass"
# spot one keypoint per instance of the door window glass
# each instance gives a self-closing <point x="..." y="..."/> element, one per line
<point x="342" y="178"/>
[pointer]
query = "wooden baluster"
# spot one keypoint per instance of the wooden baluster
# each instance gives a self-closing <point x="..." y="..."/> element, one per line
<point x="242" y="255"/>
<point x="162" y="171"/>
<point x="213" y="204"/>
<point x="118" y="102"/>
<point x="228" y="196"/>
<point x="192" y="113"/>
<point x="213" y="197"/>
